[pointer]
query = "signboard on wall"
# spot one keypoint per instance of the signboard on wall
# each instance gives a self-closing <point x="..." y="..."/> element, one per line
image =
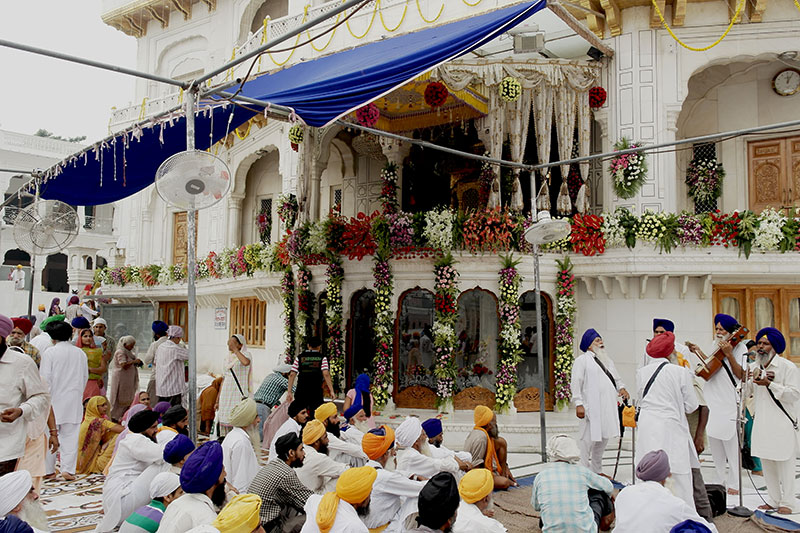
<point x="221" y="318"/>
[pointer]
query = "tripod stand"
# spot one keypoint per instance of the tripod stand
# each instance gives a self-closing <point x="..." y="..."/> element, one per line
<point x="744" y="387"/>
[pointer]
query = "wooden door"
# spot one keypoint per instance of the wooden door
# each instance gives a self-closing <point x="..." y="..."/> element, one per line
<point x="180" y="233"/>
<point x="767" y="179"/>
<point x="174" y="313"/>
<point x="793" y="170"/>
<point x="791" y="324"/>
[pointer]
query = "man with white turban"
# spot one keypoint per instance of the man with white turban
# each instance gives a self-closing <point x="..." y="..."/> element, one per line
<point x="319" y="472"/>
<point x="169" y="362"/>
<point x="649" y="505"/>
<point x="164" y="489"/>
<point x="561" y="492"/>
<point x="340" y="511"/>
<point x="476" y="489"/>
<point x="414" y="456"/>
<point x="238" y="455"/>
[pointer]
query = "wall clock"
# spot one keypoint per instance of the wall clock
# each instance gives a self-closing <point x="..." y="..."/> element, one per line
<point x="786" y="82"/>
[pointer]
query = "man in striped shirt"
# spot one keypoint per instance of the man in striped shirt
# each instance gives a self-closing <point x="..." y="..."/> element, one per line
<point x="310" y="370"/>
<point x="164" y="489"/>
<point x="170" y="374"/>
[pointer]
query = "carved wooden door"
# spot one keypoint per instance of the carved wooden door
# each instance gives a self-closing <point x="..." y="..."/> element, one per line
<point x="793" y="170"/>
<point x="180" y="232"/>
<point x="767" y="179"/>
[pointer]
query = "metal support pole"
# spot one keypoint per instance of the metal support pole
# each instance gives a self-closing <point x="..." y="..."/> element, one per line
<point x="30" y="291"/>
<point x="191" y="334"/>
<point x="539" y="347"/>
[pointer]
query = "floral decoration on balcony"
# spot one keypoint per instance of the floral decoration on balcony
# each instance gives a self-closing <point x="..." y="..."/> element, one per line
<point x="597" y="97"/>
<point x="444" y="328"/>
<point x="587" y="235"/>
<point x="704" y="179"/>
<point x="490" y="230"/>
<point x="287" y="298"/>
<point x="333" y="317"/>
<point x="436" y="94"/>
<point x="510" y="89"/>
<point x="368" y="115"/>
<point x="628" y="171"/>
<point x="287" y="209"/>
<point x="565" y="319"/>
<point x="509" y="345"/>
<point x="264" y="224"/>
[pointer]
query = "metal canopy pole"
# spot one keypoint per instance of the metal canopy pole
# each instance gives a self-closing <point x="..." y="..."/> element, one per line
<point x="191" y="334"/>
<point x="539" y="344"/>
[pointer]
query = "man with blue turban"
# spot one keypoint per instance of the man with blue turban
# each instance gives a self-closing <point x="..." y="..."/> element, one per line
<point x="777" y="393"/>
<point x="433" y="430"/>
<point x="203" y="484"/>
<point x="721" y="397"/>
<point x="596" y="384"/>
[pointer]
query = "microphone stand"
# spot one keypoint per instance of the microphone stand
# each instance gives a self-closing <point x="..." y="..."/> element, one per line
<point x="744" y="387"/>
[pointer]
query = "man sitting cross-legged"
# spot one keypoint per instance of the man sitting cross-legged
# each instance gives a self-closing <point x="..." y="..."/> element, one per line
<point x="488" y="449"/>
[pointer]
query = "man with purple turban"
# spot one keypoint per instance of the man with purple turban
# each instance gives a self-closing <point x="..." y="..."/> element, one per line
<point x="666" y="394"/>
<point x="720" y="394"/>
<point x="777" y="392"/>
<point x="649" y="505"/>
<point x="435" y="433"/>
<point x="596" y="384"/>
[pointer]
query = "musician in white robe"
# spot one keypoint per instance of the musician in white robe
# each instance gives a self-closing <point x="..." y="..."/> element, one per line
<point x="774" y="437"/>
<point x="649" y="505"/>
<point x="662" y="421"/>
<point x="595" y="387"/>
<point x="720" y="394"/>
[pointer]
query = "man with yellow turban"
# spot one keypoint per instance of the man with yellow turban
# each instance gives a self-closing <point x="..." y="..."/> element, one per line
<point x="476" y="489"/>
<point x="241" y="515"/>
<point x="340" y="511"/>
<point x="319" y="472"/>
<point x="238" y="455"/>
<point x="414" y="455"/>
<point x="340" y="450"/>
<point x="394" y="496"/>
<point x="489" y="450"/>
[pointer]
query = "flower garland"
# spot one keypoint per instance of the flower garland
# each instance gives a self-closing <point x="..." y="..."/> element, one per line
<point x="628" y="170"/>
<point x="264" y="223"/>
<point x="439" y="229"/>
<point x="769" y="233"/>
<point x="597" y="97"/>
<point x="368" y="115"/>
<point x="565" y="318"/>
<point x="510" y="89"/>
<point x="587" y="235"/>
<point x="333" y="317"/>
<point x="444" y="328"/>
<point x="389" y="189"/>
<point x="305" y="304"/>
<point x="491" y="230"/>
<point x="287" y="295"/>
<point x="384" y="332"/>
<point x="436" y="94"/>
<point x="509" y="346"/>
<point x="287" y="209"/>
<point x="704" y="179"/>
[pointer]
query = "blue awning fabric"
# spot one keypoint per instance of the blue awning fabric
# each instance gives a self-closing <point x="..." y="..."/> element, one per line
<point x="320" y="91"/>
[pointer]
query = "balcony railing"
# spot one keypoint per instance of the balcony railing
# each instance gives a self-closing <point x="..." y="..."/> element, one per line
<point x="102" y="225"/>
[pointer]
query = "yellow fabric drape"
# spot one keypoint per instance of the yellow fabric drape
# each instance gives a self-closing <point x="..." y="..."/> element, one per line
<point x="95" y="438"/>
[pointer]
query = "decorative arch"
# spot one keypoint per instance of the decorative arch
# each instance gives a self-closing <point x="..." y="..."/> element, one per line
<point x="178" y="52"/>
<point x="360" y="343"/>
<point x="413" y="347"/>
<point x="54" y="274"/>
<point x="255" y="12"/>
<point x="17" y="257"/>
<point x="477" y="333"/>
<point x="258" y="183"/>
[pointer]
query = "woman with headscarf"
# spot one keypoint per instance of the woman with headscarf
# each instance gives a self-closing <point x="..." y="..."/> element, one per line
<point x="124" y="377"/>
<point x="161" y="408"/>
<point x="73" y="308"/>
<point x="360" y="395"/>
<point x="94" y="358"/>
<point x="97" y="437"/>
<point x="236" y="382"/>
<point x="208" y="399"/>
<point x="54" y="308"/>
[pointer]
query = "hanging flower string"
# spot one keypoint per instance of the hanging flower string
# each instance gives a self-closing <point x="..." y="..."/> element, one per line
<point x="368" y="115"/>
<point x="287" y="296"/>
<point x="444" y="329"/>
<point x="704" y="179"/>
<point x="565" y="318"/>
<point x="510" y="89"/>
<point x="296" y="136"/>
<point x="287" y="210"/>
<point x="509" y="346"/>
<point x="333" y="317"/>
<point x="389" y="188"/>
<point x="384" y="332"/>
<point x="305" y="305"/>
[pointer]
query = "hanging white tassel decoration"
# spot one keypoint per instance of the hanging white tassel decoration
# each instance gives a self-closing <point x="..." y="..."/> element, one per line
<point x="563" y="203"/>
<point x="543" y="197"/>
<point x="517" y="203"/>
<point x="582" y="200"/>
<point x="494" y="194"/>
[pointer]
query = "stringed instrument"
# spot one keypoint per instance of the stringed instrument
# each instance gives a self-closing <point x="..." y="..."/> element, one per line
<point x="710" y="364"/>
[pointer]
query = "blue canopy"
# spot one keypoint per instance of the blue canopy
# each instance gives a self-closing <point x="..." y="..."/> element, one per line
<point x="320" y="91"/>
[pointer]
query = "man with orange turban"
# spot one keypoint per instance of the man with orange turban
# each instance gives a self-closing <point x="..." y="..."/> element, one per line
<point x="476" y="489"/>
<point x="319" y="472"/>
<point x="341" y="511"/>
<point x="488" y="449"/>
<point x="394" y="496"/>
<point x="662" y="413"/>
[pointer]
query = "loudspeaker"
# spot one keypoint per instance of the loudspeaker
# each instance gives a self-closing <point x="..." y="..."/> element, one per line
<point x="595" y="54"/>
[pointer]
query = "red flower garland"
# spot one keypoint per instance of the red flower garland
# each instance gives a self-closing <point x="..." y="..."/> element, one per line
<point x="587" y="235"/>
<point x="597" y="97"/>
<point x="489" y="231"/>
<point x="357" y="237"/>
<point x="436" y="93"/>
<point x="368" y="115"/>
<point x="725" y="229"/>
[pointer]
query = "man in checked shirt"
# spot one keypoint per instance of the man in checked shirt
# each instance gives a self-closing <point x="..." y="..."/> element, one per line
<point x="282" y="494"/>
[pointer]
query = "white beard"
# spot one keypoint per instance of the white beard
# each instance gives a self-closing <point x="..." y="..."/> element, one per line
<point x="391" y="464"/>
<point x="362" y="426"/>
<point x="602" y="355"/>
<point x="669" y="484"/>
<point x="425" y="449"/>
<point x="763" y="359"/>
<point x="33" y="513"/>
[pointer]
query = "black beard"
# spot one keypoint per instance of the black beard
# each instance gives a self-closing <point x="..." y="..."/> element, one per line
<point x="151" y="437"/>
<point x="323" y="449"/>
<point x="437" y="444"/>
<point x="297" y="463"/>
<point x="183" y="431"/>
<point x="334" y="429"/>
<point x="218" y="496"/>
<point x="363" y="511"/>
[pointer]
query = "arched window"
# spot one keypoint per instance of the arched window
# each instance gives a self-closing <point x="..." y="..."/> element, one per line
<point x="528" y="369"/>
<point x="269" y="8"/>
<point x="360" y="334"/>
<point x="54" y="275"/>
<point x="477" y="330"/>
<point x="89" y="263"/>
<point x="415" y="353"/>
<point x="101" y="262"/>
<point x="17" y="257"/>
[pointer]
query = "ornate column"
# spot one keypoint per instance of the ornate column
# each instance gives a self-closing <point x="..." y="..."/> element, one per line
<point x="234" y="219"/>
<point x="396" y="151"/>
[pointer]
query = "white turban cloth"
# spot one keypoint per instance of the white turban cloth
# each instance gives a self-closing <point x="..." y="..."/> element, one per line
<point x="13" y="489"/>
<point x="99" y="320"/>
<point x="408" y="432"/>
<point x="174" y="332"/>
<point x="164" y="484"/>
<point x="563" y="448"/>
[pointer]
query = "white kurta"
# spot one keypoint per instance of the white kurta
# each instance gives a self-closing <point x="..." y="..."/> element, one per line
<point x="65" y="369"/>
<point x="239" y="459"/>
<point x="187" y="512"/>
<point x="443" y="451"/>
<point x="165" y="435"/>
<point x="720" y="395"/>
<point x="662" y="421"/>
<point x="134" y="454"/>
<point x="470" y="519"/>
<point x="18" y="277"/>
<point x="352" y="435"/>
<point x="346" y="521"/>
<point x="319" y="472"/>
<point x="394" y="497"/>
<point x="410" y="461"/>
<point x="649" y="506"/>
<point x="290" y="426"/>
<point x="773" y="436"/>
<point x="42" y="342"/>
<point x="346" y="452"/>
<point x="592" y="389"/>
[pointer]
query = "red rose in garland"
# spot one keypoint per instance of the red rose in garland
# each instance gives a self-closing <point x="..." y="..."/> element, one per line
<point x="587" y="234"/>
<point x="368" y="115"/>
<point x="357" y="237"/>
<point x="436" y="94"/>
<point x="597" y="97"/>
